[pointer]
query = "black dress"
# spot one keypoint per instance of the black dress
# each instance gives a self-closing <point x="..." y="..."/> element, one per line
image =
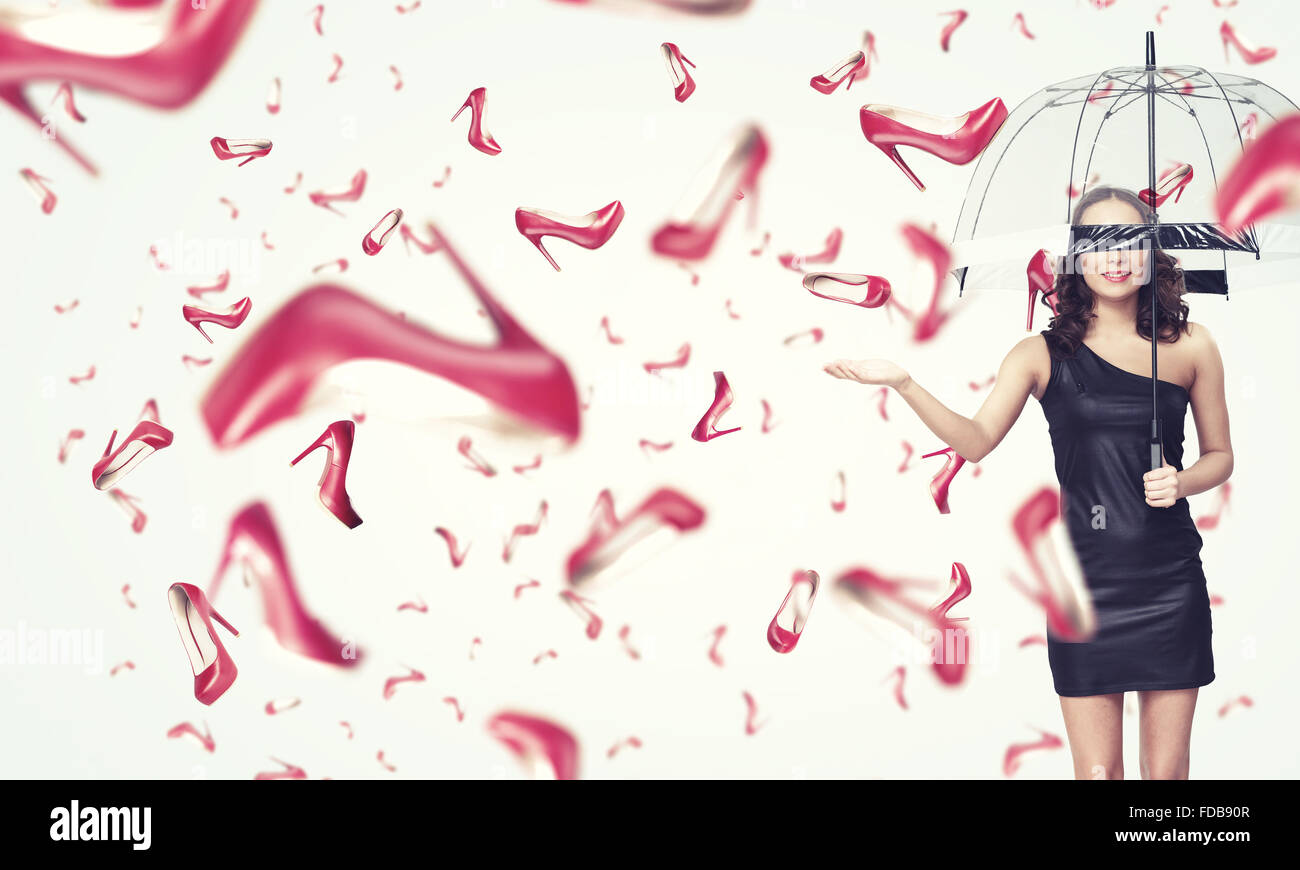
<point x="1141" y="564"/>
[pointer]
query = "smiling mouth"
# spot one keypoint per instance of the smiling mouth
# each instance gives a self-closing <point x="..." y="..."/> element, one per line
<point x="1116" y="277"/>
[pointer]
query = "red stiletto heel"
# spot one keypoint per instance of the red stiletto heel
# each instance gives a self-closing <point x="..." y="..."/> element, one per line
<point x="1041" y="280"/>
<point x="233" y="149"/>
<point x="690" y="235"/>
<point x="849" y="68"/>
<point x="374" y="241"/>
<point x="878" y="289"/>
<point x="147" y="437"/>
<point x="214" y="670"/>
<point x="683" y="84"/>
<point x="783" y="639"/>
<point x="589" y="231"/>
<point x="957" y="140"/>
<point x="254" y="542"/>
<point x="230" y="318"/>
<point x="1172" y="181"/>
<point x="959" y="592"/>
<point x="479" y="137"/>
<point x="337" y="441"/>
<point x="939" y="484"/>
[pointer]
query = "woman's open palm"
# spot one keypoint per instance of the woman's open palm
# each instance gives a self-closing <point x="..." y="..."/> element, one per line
<point x="867" y="371"/>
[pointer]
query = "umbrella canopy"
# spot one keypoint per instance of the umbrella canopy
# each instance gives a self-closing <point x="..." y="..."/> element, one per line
<point x="1107" y="129"/>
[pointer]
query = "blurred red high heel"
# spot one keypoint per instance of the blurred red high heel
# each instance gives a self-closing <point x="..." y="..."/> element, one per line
<point x="1248" y="54"/>
<point x="337" y="441"/>
<point x="1172" y="181"/>
<point x="735" y="167"/>
<point x="1041" y="280"/>
<point x="1264" y="180"/>
<point x="589" y="231"/>
<point x="479" y="137"/>
<point x="1062" y="590"/>
<point x="271" y="376"/>
<point x="147" y="437"/>
<point x="957" y="140"/>
<point x="214" y="670"/>
<point x="168" y="75"/>
<point x="939" y="484"/>
<point x="960" y="591"/>
<point x="254" y="542"/>
<point x="683" y="84"/>
<point x="849" y="68"/>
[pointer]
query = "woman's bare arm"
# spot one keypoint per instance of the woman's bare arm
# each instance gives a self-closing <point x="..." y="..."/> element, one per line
<point x="1210" y="410"/>
<point x="972" y="438"/>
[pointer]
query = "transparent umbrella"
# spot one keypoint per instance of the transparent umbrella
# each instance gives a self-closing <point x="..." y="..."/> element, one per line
<point x="1121" y="127"/>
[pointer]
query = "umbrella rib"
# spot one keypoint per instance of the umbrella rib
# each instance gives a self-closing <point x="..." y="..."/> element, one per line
<point x="1075" y="148"/>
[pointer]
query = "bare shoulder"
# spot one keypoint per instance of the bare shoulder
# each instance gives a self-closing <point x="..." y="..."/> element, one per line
<point x="1030" y="361"/>
<point x="1198" y="334"/>
<point x="1202" y="349"/>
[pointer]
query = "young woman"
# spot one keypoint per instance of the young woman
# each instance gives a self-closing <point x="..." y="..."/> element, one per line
<point x="1131" y="527"/>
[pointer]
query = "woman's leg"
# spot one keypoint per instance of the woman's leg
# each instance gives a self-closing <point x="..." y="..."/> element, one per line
<point x="1166" y="733"/>
<point x="1095" y="727"/>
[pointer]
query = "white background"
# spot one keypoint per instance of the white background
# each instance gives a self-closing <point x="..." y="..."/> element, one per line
<point x="581" y="103"/>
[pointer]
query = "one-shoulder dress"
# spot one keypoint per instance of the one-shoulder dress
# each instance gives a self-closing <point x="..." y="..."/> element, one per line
<point x="1142" y="564"/>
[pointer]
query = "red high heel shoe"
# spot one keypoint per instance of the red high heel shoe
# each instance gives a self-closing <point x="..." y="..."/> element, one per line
<point x="1248" y="53"/>
<point x="888" y="598"/>
<point x="1062" y="590"/>
<point x="230" y="318"/>
<point x="145" y="438"/>
<point x="849" y="68"/>
<point x="960" y="590"/>
<point x="929" y="247"/>
<point x="683" y="84"/>
<point x="610" y="539"/>
<point x="957" y="140"/>
<point x="1265" y="179"/>
<point x="781" y="638"/>
<point x="254" y="542"/>
<point x="214" y="670"/>
<point x="589" y="231"/>
<point x="272" y="374"/>
<point x="1170" y="182"/>
<point x="940" y="482"/>
<point x="479" y="137"/>
<point x="374" y="241"/>
<point x="37" y="184"/>
<point x="337" y="441"/>
<point x="706" y="429"/>
<point x="167" y="76"/>
<point x="232" y="149"/>
<point x="1041" y="280"/>
<point x="735" y="167"/>
<point x="878" y="289"/>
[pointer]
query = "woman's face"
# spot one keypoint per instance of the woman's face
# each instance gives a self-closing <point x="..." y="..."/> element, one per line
<point x="1114" y="274"/>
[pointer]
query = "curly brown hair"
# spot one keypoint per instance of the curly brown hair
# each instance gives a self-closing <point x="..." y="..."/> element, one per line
<point x="1075" y="300"/>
